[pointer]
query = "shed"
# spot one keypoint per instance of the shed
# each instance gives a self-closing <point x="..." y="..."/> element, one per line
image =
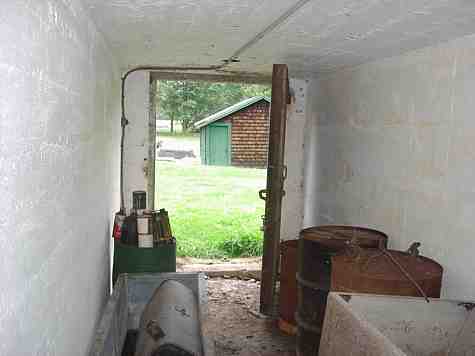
<point x="237" y="135"/>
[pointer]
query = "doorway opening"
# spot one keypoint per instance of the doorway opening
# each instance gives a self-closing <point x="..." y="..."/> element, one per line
<point x="211" y="163"/>
<point x="220" y="173"/>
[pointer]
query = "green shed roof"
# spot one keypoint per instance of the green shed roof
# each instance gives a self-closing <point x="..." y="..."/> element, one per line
<point x="229" y="110"/>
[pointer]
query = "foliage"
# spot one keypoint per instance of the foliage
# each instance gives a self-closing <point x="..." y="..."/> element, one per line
<point x="190" y="101"/>
<point x="214" y="211"/>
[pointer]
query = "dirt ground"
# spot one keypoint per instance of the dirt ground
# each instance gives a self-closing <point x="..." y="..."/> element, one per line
<point x="235" y="323"/>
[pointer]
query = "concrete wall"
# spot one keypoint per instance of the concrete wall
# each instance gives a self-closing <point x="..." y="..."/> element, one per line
<point x="292" y="203"/>
<point x="139" y="154"/>
<point x="59" y="165"/>
<point x="393" y="147"/>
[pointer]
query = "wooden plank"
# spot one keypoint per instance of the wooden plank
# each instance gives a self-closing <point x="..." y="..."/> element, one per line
<point x="275" y="185"/>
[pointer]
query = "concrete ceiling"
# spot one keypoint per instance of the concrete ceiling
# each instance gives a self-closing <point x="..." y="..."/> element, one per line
<point x="321" y="36"/>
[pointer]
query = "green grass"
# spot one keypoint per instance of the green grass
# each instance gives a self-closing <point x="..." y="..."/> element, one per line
<point x="214" y="211"/>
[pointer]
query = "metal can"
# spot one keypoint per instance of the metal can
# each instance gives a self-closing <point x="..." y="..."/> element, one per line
<point x="145" y="240"/>
<point x="143" y="224"/>
<point x="118" y="228"/>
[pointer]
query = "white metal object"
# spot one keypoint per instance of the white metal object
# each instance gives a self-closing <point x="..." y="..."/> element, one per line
<point x="397" y="326"/>
<point x="130" y="296"/>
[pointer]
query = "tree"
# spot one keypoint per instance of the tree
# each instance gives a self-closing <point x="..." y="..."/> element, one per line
<point x="169" y="100"/>
<point x="190" y="101"/>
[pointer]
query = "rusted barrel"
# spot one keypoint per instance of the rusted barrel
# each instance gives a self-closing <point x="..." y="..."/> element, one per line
<point x="375" y="272"/>
<point x="288" y="287"/>
<point x="317" y="245"/>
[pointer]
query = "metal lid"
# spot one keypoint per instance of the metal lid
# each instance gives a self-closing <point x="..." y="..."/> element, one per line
<point x="338" y="234"/>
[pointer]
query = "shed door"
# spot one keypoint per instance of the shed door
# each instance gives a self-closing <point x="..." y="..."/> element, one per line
<point x="219" y="145"/>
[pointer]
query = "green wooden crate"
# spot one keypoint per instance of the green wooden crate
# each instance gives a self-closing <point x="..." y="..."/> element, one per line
<point x="132" y="259"/>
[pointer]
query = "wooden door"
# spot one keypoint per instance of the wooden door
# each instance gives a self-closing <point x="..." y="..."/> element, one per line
<point x="219" y="145"/>
<point x="275" y="188"/>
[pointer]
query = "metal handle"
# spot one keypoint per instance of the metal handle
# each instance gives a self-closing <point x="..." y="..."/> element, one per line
<point x="154" y="330"/>
<point x="284" y="172"/>
<point x="352" y="248"/>
<point x="263" y="194"/>
<point x="413" y="250"/>
<point x="405" y="273"/>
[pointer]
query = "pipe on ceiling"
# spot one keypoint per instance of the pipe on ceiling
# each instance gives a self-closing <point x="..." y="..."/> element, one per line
<point x="219" y="67"/>
<point x="271" y="27"/>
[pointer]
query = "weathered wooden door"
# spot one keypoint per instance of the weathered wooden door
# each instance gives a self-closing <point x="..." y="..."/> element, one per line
<point x="219" y="145"/>
<point x="275" y="187"/>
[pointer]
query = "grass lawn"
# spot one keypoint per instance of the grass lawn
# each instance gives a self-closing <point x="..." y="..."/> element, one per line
<point x="214" y="211"/>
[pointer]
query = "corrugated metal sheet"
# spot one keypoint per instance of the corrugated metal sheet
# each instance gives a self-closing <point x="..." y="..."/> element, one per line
<point x="229" y="110"/>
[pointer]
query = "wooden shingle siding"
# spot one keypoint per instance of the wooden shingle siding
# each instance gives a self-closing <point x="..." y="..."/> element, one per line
<point x="249" y="135"/>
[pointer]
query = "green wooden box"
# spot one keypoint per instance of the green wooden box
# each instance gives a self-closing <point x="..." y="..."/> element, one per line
<point x="132" y="259"/>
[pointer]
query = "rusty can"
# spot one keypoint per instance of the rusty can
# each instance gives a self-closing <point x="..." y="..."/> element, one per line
<point x="165" y="225"/>
<point x="118" y="229"/>
<point x="145" y="240"/>
<point x="144" y="224"/>
<point x="288" y="287"/>
<point x="317" y="246"/>
<point x="374" y="271"/>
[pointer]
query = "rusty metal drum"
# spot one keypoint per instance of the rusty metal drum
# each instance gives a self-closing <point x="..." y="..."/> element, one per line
<point x="317" y="246"/>
<point x="387" y="272"/>
<point x="288" y="287"/>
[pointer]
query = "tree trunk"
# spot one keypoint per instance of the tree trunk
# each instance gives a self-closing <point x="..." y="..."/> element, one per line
<point x="185" y="126"/>
<point x="171" y="124"/>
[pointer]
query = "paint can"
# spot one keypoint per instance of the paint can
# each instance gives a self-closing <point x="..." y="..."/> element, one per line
<point x="145" y="240"/>
<point x="156" y="230"/>
<point x="166" y="230"/>
<point x="143" y="224"/>
<point x="118" y="229"/>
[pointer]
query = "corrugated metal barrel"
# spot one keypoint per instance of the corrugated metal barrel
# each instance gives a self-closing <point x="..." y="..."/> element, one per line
<point x="317" y="245"/>
<point x="372" y="271"/>
<point x="288" y="286"/>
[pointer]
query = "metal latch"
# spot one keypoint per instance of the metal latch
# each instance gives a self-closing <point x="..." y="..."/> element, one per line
<point x="263" y="194"/>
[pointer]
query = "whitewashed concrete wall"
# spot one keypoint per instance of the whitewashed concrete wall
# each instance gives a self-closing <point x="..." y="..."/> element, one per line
<point x="292" y="203"/>
<point x="138" y="167"/>
<point x="59" y="151"/>
<point x="395" y="150"/>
